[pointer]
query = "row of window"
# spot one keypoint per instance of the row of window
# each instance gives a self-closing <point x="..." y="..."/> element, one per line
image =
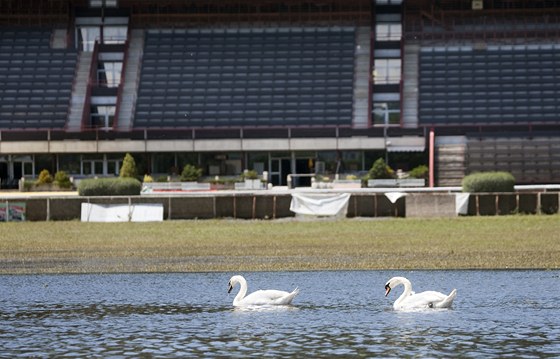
<point x="176" y="43"/>
<point x="342" y="91"/>
<point x="230" y="163"/>
<point x="515" y="56"/>
<point x="233" y="107"/>
<point x="447" y="93"/>
<point x="387" y="66"/>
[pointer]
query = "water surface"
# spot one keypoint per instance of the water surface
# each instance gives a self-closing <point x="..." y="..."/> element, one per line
<point x="338" y="313"/>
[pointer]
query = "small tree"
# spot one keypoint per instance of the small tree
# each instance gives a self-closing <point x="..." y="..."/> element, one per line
<point x="44" y="177"/>
<point x="128" y="168"/>
<point x="379" y="170"/>
<point x="62" y="179"/>
<point x="190" y="173"/>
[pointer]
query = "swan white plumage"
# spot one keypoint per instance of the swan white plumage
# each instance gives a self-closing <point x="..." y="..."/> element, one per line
<point x="410" y="300"/>
<point x="259" y="297"/>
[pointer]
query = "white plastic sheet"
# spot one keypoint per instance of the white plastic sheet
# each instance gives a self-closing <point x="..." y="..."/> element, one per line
<point x="122" y="212"/>
<point x="320" y="205"/>
<point x="394" y="196"/>
<point x="462" y="203"/>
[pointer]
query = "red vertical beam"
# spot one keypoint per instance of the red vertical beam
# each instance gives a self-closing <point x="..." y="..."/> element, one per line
<point x="431" y="163"/>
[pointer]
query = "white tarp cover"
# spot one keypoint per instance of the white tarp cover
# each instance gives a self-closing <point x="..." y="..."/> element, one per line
<point x="320" y="204"/>
<point x="394" y="196"/>
<point x="152" y="212"/>
<point x="462" y="203"/>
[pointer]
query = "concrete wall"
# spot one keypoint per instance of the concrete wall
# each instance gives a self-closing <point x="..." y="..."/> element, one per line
<point x="273" y="206"/>
<point x="239" y="206"/>
<point x="422" y="205"/>
<point x="482" y="204"/>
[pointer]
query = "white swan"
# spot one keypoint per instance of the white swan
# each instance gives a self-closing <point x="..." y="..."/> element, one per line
<point x="411" y="300"/>
<point x="260" y="297"/>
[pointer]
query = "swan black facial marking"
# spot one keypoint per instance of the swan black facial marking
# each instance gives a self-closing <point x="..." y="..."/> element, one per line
<point x="387" y="289"/>
<point x="230" y="287"/>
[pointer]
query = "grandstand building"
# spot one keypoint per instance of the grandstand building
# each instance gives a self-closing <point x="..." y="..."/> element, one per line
<point x="282" y="86"/>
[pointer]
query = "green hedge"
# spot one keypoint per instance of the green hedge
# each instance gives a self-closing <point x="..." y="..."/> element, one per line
<point x="110" y="187"/>
<point x="419" y="172"/>
<point x="489" y="182"/>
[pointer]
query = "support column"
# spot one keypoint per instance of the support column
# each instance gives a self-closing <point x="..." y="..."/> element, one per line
<point x="431" y="160"/>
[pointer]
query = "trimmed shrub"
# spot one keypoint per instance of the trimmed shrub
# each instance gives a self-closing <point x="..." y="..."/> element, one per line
<point x="489" y="182"/>
<point x="109" y="187"/>
<point x="28" y="185"/>
<point x="190" y="173"/>
<point x="62" y="180"/>
<point x="128" y="168"/>
<point x="419" y="172"/>
<point x="148" y="179"/>
<point x="251" y="174"/>
<point x="380" y="170"/>
<point x="44" y="177"/>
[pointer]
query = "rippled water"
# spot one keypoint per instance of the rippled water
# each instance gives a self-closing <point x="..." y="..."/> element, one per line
<point x="496" y="314"/>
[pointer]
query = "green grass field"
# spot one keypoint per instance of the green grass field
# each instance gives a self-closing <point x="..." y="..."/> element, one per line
<point x="227" y="245"/>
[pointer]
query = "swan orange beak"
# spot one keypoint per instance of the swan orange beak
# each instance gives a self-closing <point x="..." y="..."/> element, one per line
<point x="387" y="289"/>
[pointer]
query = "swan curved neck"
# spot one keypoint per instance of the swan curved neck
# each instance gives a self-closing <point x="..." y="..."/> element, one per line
<point x="242" y="290"/>
<point x="406" y="292"/>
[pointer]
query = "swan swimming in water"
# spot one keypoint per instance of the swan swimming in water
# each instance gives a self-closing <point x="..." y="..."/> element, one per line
<point x="411" y="300"/>
<point x="260" y="297"/>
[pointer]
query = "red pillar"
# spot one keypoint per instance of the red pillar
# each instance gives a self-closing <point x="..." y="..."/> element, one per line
<point x="431" y="163"/>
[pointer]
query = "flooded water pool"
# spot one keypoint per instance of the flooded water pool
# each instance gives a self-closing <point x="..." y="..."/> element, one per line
<point x="337" y="313"/>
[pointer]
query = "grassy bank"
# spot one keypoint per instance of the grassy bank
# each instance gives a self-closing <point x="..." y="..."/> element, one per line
<point x="223" y="245"/>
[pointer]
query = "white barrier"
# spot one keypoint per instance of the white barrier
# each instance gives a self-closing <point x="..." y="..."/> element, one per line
<point x="152" y="212"/>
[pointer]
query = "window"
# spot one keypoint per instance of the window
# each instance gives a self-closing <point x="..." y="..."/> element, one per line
<point x="109" y="74"/>
<point x="331" y="161"/>
<point x="164" y="163"/>
<point x="103" y="3"/>
<point x="92" y="165"/>
<point x="114" y="164"/>
<point x="102" y="116"/>
<point x="388" y="2"/>
<point x="352" y="161"/>
<point x="87" y="35"/>
<point x="388" y="32"/>
<point x="386" y="113"/>
<point x="387" y="71"/>
<point x="69" y="163"/>
<point x="114" y="34"/>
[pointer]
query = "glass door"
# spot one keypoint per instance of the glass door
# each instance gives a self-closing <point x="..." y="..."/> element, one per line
<point x="275" y="174"/>
<point x="22" y="166"/>
<point x="280" y="168"/>
<point x="4" y="175"/>
<point x="113" y="166"/>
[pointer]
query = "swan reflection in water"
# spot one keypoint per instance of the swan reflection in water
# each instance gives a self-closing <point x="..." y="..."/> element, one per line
<point x="414" y="301"/>
<point x="260" y="297"/>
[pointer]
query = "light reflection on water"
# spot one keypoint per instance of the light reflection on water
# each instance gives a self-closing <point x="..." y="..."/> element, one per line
<point x="496" y="314"/>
